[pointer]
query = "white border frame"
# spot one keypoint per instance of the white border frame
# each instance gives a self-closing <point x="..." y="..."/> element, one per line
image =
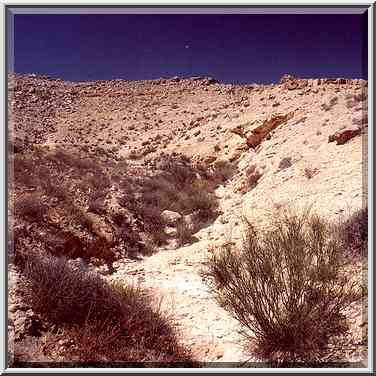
<point x="209" y="3"/>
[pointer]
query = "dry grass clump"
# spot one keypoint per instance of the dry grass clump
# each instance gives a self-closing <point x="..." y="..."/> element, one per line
<point x="107" y="323"/>
<point x="285" y="286"/>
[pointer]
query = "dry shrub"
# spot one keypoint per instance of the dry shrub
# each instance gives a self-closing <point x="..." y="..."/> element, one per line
<point x="61" y="157"/>
<point x="224" y="170"/>
<point x="58" y="190"/>
<point x="23" y="170"/>
<point x="175" y="185"/>
<point x="31" y="207"/>
<point x="184" y="233"/>
<point x="120" y="169"/>
<point x="203" y="184"/>
<point x="99" y="181"/>
<point x="107" y="323"/>
<point x="150" y="246"/>
<point x="354" y="233"/>
<point x="329" y="105"/>
<point x="204" y="204"/>
<point x="96" y="203"/>
<point x="153" y="222"/>
<point x="285" y="286"/>
<point x="101" y="249"/>
<point x="64" y="243"/>
<point x="309" y="173"/>
<point x="66" y="295"/>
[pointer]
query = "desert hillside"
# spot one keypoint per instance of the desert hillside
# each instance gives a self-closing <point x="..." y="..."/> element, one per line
<point x="141" y="181"/>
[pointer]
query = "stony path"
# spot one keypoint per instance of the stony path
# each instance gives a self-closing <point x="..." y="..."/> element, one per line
<point x="205" y="327"/>
<point x="174" y="275"/>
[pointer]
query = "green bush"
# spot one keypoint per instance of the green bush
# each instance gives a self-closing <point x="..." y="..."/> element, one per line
<point x="285" y="286"/>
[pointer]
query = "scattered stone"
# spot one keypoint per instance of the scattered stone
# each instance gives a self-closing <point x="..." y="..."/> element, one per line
<point x="197" y="133"/>
<point x="344" y="135"/>
<point x="285" y="163"/>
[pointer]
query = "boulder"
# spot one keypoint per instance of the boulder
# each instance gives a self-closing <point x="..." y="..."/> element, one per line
<point x="171" y="218"/>
<point x="344" y="135"/>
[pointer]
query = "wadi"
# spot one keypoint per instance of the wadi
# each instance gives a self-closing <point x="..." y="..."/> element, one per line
<point x="184" y="222"/>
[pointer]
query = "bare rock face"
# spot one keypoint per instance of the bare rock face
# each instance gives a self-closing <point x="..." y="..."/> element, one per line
<point x="344" y="135"/>
<point x="259" y="133"/>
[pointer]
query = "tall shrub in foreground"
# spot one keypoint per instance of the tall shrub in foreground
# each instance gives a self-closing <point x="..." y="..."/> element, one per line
<point x="285" y="286"/>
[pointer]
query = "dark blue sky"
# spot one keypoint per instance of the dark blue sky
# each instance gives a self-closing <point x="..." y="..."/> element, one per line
<point x="232" y="48"/>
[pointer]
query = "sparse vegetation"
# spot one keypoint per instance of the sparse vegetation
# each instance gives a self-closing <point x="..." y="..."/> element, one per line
<point x="176" y="185"/>
<point x="96" y="181"/>
<point x="224" y="170"/>
<point x="184" y="233"/>
<point x="285" y="286"/>
<point x="31" y="207"/>
<point x="106" y="323"/>
<point x="309" y="172"/>
<point x="354" y="233"/>
<point x="329" y="105"/>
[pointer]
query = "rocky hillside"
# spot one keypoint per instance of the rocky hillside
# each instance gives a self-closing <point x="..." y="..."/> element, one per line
<point x="143" y="179"/>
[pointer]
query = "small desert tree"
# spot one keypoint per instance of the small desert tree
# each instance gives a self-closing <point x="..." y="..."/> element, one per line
<point x="285" y="286"/>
